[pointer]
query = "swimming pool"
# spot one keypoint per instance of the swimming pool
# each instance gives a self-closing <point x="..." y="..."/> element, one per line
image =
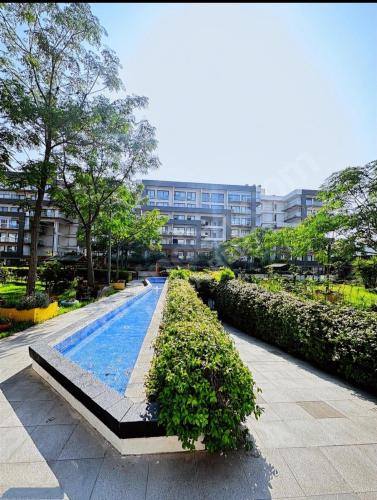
<point x="108" y="348"/>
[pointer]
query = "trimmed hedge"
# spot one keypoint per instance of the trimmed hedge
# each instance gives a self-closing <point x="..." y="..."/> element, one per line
<point x="197" y="376"/>
<point x="339" y="339"/>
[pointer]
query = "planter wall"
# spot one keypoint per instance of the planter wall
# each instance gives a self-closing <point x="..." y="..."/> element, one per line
<point x="36" y="315"/>
<point x="118" y="286"/>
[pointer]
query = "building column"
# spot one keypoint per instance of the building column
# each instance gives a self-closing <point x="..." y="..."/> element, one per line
<point x="55" y="238"/>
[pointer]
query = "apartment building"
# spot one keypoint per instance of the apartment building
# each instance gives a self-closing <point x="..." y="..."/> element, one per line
<point x="202" y="215"/>
<point x="280" y="211"/>
<point x="57" y="235"/>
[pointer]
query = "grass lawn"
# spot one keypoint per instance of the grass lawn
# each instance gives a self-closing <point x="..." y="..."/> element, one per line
<point x="15" y="290"/>
<point x="355" y="295"/>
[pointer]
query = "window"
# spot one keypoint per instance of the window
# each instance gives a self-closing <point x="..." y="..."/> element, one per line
<point x="179" y="204"/>
<point x="217" y="197"/>
<point x="190" y="242"/>
<point x="205" y="197"/>
<point x="162" y="195"/>
<point x="4" y="223"/>
<point x="191" y="196"/>
<point x="190" y="255"/>
<point x="152" y="203"/>
<point x="4" y="209"/>
<point x="180" y="255"/>
<point x="246" y="197"/>
<point x="234" y="197"/>
<point x="151" y="194"/>
<point x="235" y="232"/>
<point x="191" y="205"/>
<point x="179" y="217"/>
<point x="191" y="217"/>
<point x="162" y="203"/>
<point x="14" y="209"/>
<point x="180" y="195"/>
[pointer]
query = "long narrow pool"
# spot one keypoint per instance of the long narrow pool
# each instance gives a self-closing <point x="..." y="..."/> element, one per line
<point x="109" y="349"/>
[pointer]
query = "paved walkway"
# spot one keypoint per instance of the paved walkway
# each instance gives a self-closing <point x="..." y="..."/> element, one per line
<point x="317" y="439"/>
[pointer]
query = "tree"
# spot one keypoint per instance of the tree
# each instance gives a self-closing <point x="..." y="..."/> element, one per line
<point x="113" y="147"/>
<point x="52" y="62"/>
<point x="352" y="192"/>
<point x="124" y="226"/>
<point x="256" y="245"/>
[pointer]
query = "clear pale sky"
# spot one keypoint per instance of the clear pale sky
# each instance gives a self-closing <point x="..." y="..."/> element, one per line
<point x="278" y="95"/>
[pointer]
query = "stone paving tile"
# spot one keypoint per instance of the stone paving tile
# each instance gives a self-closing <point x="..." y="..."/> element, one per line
<point x="314" y="472"/>
<point x="352" y="408"/>
<point x="345" y="431"/>
<point x="172" y="477"/>
<point x="222" y="477"/>
<point x="84" y="442"/>
<point x="34" y="412"/>
<point x="29" y="480"/>
<point x="290" y="411"/>
<point x="77" y="477"/>
<point x="269" y="476"/>
<point x="367" y="496"/>
<point x="121" y="478"/>
<point x="11" y="438"/>
<point x="275" y="434"/>
<point x="61" y="413"/>
<point x="8" y="415"/>
<point x="320" y="409"/>
<point x="354" y="465"/>
<point x="309" y="432"/>
<point x="50" y="440"/>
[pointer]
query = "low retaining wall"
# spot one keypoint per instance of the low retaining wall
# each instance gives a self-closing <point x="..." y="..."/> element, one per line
<point x="36" y="315"/>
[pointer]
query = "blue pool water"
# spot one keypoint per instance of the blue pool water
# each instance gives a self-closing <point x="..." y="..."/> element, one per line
<point x="108" y="347"/>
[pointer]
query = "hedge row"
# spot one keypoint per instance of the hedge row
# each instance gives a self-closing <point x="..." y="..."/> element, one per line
<point x="197" y="376"/>
<point x="339" y="339"/>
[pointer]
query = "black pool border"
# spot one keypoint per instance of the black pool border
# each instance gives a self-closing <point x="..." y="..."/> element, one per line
<point x="125" y="418"/>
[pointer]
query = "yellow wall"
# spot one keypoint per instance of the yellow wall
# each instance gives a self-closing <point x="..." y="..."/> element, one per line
<point x="36" y="315"/>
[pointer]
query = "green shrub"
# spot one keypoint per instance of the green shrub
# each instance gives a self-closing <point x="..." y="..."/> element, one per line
<point x="197" y="376"/>
<point x="38" y="299"/>
<point x="179" y="274"/>
<point x="223" y="274"/>
<point x="340" y="339"/>
<point x="204" y="283"/>
<point x="366" y="270"/>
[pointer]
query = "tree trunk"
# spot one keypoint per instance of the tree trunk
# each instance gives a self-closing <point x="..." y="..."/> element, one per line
<point x="35" y="225"/>
<point x="88" y="244"/>
<point x="117" y="265"/>
<point x="109" y="261"/>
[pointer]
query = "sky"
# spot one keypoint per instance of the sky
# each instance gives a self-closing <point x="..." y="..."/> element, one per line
<point x="280" y="95"/>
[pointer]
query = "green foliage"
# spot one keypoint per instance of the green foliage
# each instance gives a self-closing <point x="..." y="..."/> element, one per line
<point x="223" y="274"/>
<point x="38" y="299"/>
<point x="204" y="284"/>
<point x="366" y="270"/>
<point x="52" y="65"/>
<point x="179" y="273"/>
<point x="352" y="194"/>
<point x="51" y="273"/>
<point x="4" y="275"/>
<point x="340" y="339"/>
<point x="197" y="376"/>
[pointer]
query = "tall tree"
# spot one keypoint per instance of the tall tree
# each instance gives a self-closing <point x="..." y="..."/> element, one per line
<point x="352" y="192"/>
<point x="113" y="148"/>
<point x="125" y="227"/>
<point x="52" y="62"/>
